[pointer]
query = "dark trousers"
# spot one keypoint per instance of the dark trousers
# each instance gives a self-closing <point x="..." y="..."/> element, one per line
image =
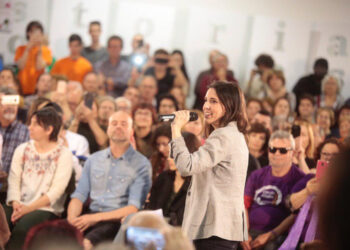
<point x="102" y="231"/>
<point x="215" y="243"/>
<point x="20" y="229"/>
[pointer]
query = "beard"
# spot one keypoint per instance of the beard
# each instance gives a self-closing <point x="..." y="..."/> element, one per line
<point x="9" y="116"/>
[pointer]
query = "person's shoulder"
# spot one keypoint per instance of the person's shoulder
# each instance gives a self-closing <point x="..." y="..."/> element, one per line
<point x="297" y="173"/>
<point x="138" y="159"/>
<point x="261" y="171"/>
<point x="21" y="48"/>
<point x="77" y="137"/>
<point x="84" y="61"/>
<point x="19" y="125"/>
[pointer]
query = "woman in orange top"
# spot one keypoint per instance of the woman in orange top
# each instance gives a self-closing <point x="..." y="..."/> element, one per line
<point x="32" y="58"/>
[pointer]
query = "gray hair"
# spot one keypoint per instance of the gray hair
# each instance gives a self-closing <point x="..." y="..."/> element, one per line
<point x="123" y="99"/>
<point x="8" y="91"/>
<point x="281" y="134"/>
<point x="102" y="99"/>
<point x="337" y="80"/>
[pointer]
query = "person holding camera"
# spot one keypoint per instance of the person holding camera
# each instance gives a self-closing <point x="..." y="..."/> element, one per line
<point x="167" y="73"/>
<point x="214" y="212"/>
<point x="32" y="58"/>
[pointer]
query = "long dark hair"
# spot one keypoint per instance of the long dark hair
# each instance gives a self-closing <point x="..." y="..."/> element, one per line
<point x="183" y="66"/>
<point x="231" y="96"/>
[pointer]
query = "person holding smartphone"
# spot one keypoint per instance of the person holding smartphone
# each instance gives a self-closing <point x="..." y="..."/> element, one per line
<point x="214" y="212"/>
<point x="32" y="58"/>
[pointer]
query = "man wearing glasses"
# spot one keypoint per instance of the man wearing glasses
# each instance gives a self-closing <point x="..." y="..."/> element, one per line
<point x="266" y="191"/>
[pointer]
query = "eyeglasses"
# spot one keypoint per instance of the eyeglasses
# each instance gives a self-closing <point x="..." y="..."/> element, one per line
<point x="328" y="154"/>
<point x="282" y="150"/>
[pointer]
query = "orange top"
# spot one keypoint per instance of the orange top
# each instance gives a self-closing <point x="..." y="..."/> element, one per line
<point x="29" y="74"/>
<point x="74" y="70"/>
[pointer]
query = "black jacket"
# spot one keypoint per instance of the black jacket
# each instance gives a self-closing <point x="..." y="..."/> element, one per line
<point x="161" y="192"/>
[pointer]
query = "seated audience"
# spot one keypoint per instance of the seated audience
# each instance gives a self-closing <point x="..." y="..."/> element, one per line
<point x="106" y="107"/>
<point x="282" y="114"/>
<point x="263" y="117"/>
<point x="91" y="84"/>
<point x="161" y="150"/>
<point x="167" y="76"/>
<point x="32" y="58"/>
<point x="95" y="52"/>
<point x="43" y="87"/>
<point x="254" y="105"/>
<point x="306" y="108"/>
<point x="276" y="88"/>
<point x="305" y="146"/>
<point x="133" y="95"/>
<point x="74" y="95"/>
<point x="266" y="191"/>
<point x="303" y="198"/>
<point x="169" y="190"/>
<point x="116" y="180"/>
<point x="13" y="134"/>
<point x="331" y="93"/>
<point x="74" y="67"/>
<point x="52" y="235"/>
<point x="177" y="62"/>
<point x="123" y="104"/>
<point x="85" y="123"/>
<point x="311" y="84"/>
<point x="167" y="104"/>
<point x="148" y="90"/>
<point x="343" y="112"/>
<point x="180" y="97"/>
<point x="40" y="172"/>
<point x="144" y="118"/>
<point x="9" y="80"/>
<point x="196" y="127"/>
<point x="344" y="128"/>
<point x="220" y="72"/>
<point x="257" y="82"/>
<point x="258" y="138"/>
<point x="324" y="121"/>
<point x="114" y="71"/>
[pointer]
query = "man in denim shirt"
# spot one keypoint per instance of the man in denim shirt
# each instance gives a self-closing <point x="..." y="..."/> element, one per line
<point x="116" y="180"/>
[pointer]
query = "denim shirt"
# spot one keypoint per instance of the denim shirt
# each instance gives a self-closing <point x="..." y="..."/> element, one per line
<point x="113" y="183"/>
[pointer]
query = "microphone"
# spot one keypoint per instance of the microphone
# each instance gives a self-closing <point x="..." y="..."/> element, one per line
<point x="171" y="117"/>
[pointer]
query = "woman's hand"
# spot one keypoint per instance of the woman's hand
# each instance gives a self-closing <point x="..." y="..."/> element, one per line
<point x="19" y="212"/>
<point x="181" y="118"/>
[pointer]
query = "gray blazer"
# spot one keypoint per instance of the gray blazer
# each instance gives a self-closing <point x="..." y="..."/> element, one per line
<point x="215" y="203"/>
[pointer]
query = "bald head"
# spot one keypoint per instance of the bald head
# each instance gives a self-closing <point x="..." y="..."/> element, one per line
<point x="120" y="127"/>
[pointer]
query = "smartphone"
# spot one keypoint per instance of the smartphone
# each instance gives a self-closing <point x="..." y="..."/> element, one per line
<point x="10" y="100"/>
<point x="141" y="238"/>
<point x="321" y="168"/>
<point x="296" y="131"/>
<point x="89" y="100"/>
<point x="61" y="87"/>
<point x="140" y="44"/>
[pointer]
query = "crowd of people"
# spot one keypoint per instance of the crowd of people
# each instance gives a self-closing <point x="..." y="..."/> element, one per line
<point x="82" y="150"/>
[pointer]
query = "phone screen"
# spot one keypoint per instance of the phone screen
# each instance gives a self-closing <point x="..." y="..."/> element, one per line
<point x="141" y="238"/>
<point x="10" y="100"/>
<point x="296" y="131"/>
<point x="321" y="168"/>
<point x="88" y="100"/>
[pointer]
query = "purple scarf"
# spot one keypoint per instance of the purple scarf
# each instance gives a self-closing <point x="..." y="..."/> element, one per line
<point x="292" y="240"/>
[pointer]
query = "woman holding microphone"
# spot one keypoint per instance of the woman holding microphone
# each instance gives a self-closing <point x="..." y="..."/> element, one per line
<point x="214" y="213"/>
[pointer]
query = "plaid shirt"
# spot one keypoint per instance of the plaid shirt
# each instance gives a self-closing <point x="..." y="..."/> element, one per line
<point x="15" y="134"/>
